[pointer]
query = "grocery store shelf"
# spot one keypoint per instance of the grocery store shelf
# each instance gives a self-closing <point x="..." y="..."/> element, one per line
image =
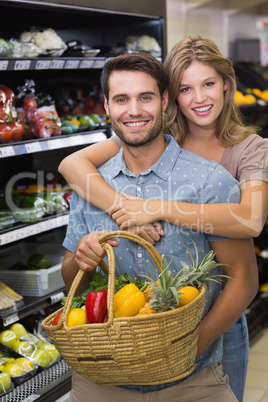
<point x="29" y="305"/>
<point x="52" y="143"/>
<point x="51" y="63"/>
<point x="25" y="230"/>
<point x="46" y="386"/>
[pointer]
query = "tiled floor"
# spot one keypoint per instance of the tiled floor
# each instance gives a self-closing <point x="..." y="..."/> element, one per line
<point x="257" y="376"/>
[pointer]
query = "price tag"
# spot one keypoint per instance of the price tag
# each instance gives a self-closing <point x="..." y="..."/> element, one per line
<point x="57" y="64"/>
<point x="7" y="151"/>
<point x="3" y="64"/>
<point x="86" y="64"/>
<point x="56" y="298"/>
<point x="42" y="64"/>
<point x="31" y="398"/>
<point x="76" y="140"/>
<point x="72" y="64"/>
<point x="55" y="144"/>
<point x="22" y="65"/>
<point x="99" y="63"/>
<point x="33" y="147"/>
<point x="10" y="319"/>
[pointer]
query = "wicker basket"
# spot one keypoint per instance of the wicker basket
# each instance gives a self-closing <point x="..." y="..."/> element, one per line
<point x="150" y="349"/>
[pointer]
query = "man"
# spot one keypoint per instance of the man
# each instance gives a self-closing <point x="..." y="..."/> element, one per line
<point x="151" y="165"/>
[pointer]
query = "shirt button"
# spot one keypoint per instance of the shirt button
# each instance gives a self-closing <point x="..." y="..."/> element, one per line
<point x="139" y="189"/>
<point x="139" y="255"/>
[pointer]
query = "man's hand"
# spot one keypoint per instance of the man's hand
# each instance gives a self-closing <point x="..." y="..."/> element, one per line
<point x="89" y="252"/>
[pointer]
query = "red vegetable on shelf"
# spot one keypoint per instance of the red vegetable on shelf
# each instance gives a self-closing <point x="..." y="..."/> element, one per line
<point x="10" y="129"/>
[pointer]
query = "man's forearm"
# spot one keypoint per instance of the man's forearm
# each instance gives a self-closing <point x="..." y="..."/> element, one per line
<point x="70" y="269"/>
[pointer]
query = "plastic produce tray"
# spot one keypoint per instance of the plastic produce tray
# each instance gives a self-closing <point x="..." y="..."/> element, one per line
<point x="33" y="283"/>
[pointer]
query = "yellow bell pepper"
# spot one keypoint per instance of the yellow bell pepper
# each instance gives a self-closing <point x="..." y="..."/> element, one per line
<point x="128" y="301"/>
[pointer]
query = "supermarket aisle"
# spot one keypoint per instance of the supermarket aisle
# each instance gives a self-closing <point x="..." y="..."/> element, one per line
<point x="257" y="377"/>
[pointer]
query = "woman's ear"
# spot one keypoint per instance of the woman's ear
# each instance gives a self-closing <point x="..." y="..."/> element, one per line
<point x="165" y="100"/>
<point x="106" y="107"/>
<point x="225" y="86"/>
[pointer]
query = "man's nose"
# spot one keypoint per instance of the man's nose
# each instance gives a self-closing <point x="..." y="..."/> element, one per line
<point x="134" y="108"/>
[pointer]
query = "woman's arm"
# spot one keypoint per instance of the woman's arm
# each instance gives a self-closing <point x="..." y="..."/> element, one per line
<point x="231" y="220"/>
<point x="79" y="170"/>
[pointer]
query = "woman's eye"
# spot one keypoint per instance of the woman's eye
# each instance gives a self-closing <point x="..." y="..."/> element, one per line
<point x="186" y="89"/>
<point x="209" y="84"/>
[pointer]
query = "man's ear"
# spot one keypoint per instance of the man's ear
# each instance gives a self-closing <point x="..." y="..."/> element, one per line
<point x="106" y="107"/>
<point x="165" y="100"/>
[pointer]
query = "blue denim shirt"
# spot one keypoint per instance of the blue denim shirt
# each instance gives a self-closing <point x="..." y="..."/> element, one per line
<point x="178" y="175"/>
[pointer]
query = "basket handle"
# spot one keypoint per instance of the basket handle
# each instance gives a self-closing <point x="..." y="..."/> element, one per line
<point x="111" y="270"/>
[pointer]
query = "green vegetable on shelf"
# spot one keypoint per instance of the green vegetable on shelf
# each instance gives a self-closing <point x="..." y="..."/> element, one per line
<point x="38" y="261"/>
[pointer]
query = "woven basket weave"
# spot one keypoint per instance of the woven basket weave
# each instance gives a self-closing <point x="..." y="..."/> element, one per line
<point x="150" y="349"/>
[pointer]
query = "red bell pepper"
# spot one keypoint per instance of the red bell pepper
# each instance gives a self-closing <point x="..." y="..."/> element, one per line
<point x="96" y="306"/>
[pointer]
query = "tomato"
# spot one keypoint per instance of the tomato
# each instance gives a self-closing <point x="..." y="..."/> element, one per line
<point x="6" y="134"/>
<point x="30" y="103"/>
<point x="56" y="319"/>
<point x="17" y="130"/>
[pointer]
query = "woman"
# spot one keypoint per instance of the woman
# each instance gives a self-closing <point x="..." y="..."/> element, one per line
<point x="203" y="118"/>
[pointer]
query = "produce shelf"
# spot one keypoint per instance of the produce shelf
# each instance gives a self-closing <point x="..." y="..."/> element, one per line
<point x="51" y="63"/>
<point x="48" y="144"/>
<point x="46" y="386"/>
<point x="25" y="230"/>
<point x="29" y="305"/>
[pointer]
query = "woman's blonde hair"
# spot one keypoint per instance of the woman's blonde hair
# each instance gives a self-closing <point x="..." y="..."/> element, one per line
<point x="230" y="127"/>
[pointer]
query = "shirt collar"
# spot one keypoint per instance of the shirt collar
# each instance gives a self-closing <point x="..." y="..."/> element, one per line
<point x="161" y="168"/>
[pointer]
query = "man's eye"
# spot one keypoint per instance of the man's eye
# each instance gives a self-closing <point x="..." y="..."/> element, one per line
<point x="121" y="100"/>
<point x="146" y="98"/>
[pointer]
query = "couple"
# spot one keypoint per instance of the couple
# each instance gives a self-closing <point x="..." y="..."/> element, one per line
<point x="153" y="166"/>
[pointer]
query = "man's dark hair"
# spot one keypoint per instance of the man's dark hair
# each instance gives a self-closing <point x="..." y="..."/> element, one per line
<point x="135" y="62"/>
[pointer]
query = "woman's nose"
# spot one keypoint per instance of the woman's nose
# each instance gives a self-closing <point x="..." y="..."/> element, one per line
<point x="199" y="95"/>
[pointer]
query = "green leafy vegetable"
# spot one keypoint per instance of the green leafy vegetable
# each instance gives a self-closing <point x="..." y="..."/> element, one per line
<point x="100" y="282"/>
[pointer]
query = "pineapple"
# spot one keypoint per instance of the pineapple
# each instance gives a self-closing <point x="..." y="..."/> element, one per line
<point x="198" y="273"/>
<point x="163" y="294"/>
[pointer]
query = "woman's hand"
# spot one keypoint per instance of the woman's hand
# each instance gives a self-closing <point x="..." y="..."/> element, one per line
<point x="134" y="211"/>
<point x="149" y="232"/>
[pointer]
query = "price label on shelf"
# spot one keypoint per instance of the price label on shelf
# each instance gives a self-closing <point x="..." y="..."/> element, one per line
<point x="57" y="64"/>
<point x="22" y="65"/>
<point x="10" y="319"/>
<point x="99" y="63"/>
<point x="33" y="147"/>
<point x="86" y="64"/>
<point x="42" y="64"/>
<point x="72" y="64"/>
<point x="76" y="140"/>
<point x="55" y="144"/>
<point x="56" y="298"/>
<point x="7" y="151"/>
<point x="3" y="65"/>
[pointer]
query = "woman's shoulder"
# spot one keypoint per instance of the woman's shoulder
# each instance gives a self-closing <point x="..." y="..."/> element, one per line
<point x="247" y="156"/>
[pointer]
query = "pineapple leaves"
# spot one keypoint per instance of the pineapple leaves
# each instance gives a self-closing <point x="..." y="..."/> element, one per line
<point x="165" y="289"/>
